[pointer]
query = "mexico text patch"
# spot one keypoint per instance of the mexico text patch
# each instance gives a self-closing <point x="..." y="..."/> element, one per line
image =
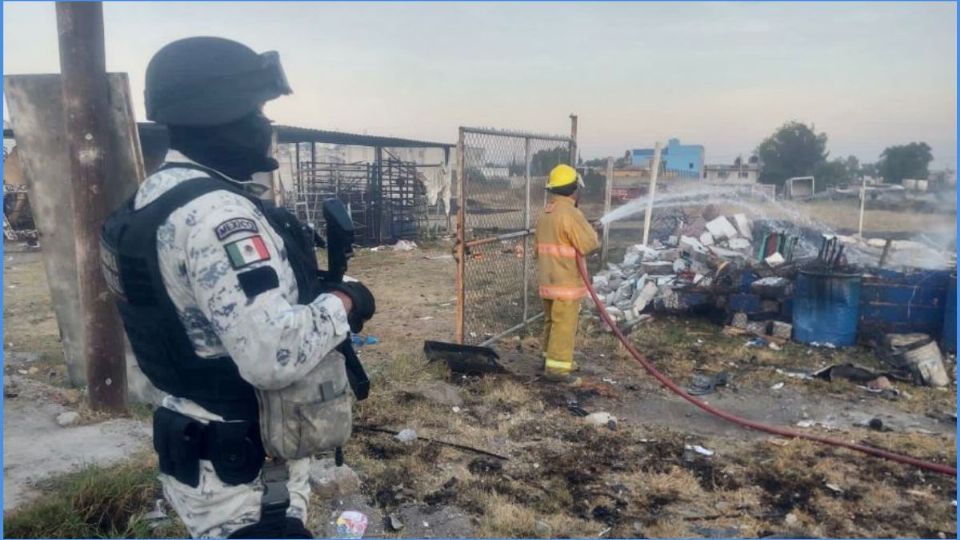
<point x="245" y="252"/>
<point x="235" y="225"/>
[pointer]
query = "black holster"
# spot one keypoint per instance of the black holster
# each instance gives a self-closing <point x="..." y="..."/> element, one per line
<point x="234" y="448"/>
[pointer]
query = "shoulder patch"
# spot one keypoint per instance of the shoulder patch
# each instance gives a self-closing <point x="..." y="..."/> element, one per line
<point x="243" y="253"/>
<point x="258" y="280"/>
<point x="235" y="225"/>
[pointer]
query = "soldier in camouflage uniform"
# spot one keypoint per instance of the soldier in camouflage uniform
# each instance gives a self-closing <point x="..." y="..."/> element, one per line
<point x="210" y="296"/>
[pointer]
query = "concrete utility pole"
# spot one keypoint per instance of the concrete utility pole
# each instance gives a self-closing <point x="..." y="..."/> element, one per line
<point x="654" y="172"/>
<point x="573" y="138"/>
<point x="86" y="109"/>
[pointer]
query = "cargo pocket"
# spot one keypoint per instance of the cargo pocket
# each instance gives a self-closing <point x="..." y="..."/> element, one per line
<point x="317" y="426"/>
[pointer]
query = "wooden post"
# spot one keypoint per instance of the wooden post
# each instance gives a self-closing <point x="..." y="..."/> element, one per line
<point x="654" y="172"/>
<point x="607" y="188"/>
<point x="86" y="108"/>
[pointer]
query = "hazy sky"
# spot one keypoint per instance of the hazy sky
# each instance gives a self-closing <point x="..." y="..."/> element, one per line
<point x="724" y="75"/>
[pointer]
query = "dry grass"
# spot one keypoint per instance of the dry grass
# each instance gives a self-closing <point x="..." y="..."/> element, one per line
<point x="96" y="502"/>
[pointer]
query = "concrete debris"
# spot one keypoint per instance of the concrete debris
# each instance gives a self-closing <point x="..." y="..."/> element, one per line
<point x="329" y="480"/>
<point x="721" y="229"/>
<point x="781" y="330"/>
<point x="601" y="419"/>
<point x="68" y="418"/>
<point x="740" y="320"/>
<point x="394" y="523"/>
<point x="743" y="225"/>
<point x="775" y="260"/>
<point x="542" y="529"/>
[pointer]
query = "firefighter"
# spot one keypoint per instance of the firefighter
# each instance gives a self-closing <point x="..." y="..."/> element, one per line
<point x="562" y="234"/>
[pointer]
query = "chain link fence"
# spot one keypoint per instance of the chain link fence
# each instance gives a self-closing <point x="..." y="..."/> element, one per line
<point x="501" y="198"/>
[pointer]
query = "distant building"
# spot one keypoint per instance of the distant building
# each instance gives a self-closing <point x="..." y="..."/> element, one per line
<point x="683" y="160"/>
<point x="738" y="173"/>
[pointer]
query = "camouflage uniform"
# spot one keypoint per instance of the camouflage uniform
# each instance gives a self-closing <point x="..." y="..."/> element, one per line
<point x="273" y="341"/>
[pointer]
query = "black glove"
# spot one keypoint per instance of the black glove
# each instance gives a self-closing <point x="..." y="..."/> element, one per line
<point x="364" y="305"/>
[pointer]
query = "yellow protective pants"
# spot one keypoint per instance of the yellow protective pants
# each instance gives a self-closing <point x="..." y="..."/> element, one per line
<point x="559" y="329"/>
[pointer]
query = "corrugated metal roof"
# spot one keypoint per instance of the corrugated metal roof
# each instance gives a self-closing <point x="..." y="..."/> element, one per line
<point x="292" y="134"/>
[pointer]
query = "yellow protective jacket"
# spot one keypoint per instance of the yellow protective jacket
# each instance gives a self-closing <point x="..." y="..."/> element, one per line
<point x="561" y="234"/>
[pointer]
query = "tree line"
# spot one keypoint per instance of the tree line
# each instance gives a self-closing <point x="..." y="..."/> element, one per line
<point x="796" y="149"/>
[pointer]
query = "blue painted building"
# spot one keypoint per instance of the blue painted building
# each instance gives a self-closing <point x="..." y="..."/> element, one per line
<point x="681" y="159"/>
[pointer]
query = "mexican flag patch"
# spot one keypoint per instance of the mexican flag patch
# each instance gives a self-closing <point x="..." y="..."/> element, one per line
<point x="247" y="251"/>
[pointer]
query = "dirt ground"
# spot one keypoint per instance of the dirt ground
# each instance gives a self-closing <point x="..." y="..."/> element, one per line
<point x="552" y="474"/>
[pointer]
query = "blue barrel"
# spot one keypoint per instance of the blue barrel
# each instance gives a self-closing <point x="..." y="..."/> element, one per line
<point x="949" y="340"/>
<point x="826" y="308"/>
<point x="893" y="302"/>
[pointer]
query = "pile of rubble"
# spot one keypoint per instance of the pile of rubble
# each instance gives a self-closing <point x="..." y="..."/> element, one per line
<point x="679" y="273"/>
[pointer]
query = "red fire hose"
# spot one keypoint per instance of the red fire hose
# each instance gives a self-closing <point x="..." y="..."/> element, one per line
<point x="743" y="422"/>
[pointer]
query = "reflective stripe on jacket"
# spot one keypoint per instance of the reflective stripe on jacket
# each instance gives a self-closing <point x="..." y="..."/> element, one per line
<point x="561" y="234"/>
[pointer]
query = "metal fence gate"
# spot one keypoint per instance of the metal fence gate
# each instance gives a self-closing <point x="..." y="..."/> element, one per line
<point x="502" y="177"/>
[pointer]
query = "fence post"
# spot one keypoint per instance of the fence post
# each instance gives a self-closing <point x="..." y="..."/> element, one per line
<point x="461" y="236"/>
<point x="526" y="225"/>
<point x="654" y="172"/>
<point x="86" y="111"/>
<point x="607" y="188"/>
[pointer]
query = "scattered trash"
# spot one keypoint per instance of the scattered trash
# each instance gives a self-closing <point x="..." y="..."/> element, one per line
<point x="608" y="380"/>
<point x="704" y="384"/>
<point x="158" y="512"/>
<point x="794" y="374"/>
<point x="10" y="391"/>
<point x="775" y="347"/>
<point x="576" y="409"/>
<point x="791" y="519"/>
<point x="880" y="383"/>
<point x="601" y="419"/>
<point x="834" y="488"/>
<point x="920" y="354"/>
<point x="824" y="345"/>
<point x="876" y="424"/>
<point x="699" y="449"/>
<point x="351" y="524"/>
<point x="68" y="418"/>
<point x="456" y="410"/>
<point x="852" y="372"/>
<point x="360" y="341"/>
<point x="464" y="359"/>
<point x="439" y="257"/>
<point x="427" y="318"/>
<point x="757" y="342"/>
<point x="406" y="436"/>
<point x="404" y="245"/>
<point x="777" y="386"/>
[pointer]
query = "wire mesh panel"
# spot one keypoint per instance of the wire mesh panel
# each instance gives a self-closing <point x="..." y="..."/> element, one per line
<point x="502" y="195"/>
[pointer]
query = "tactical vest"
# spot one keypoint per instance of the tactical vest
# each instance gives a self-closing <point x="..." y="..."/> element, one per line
<point x="128" y="250"/>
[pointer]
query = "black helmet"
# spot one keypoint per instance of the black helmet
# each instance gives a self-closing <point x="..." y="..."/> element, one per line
<point x="209" y="81"/>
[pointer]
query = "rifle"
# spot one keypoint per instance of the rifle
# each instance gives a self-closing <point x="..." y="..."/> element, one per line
<point x="339" y="246"/>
